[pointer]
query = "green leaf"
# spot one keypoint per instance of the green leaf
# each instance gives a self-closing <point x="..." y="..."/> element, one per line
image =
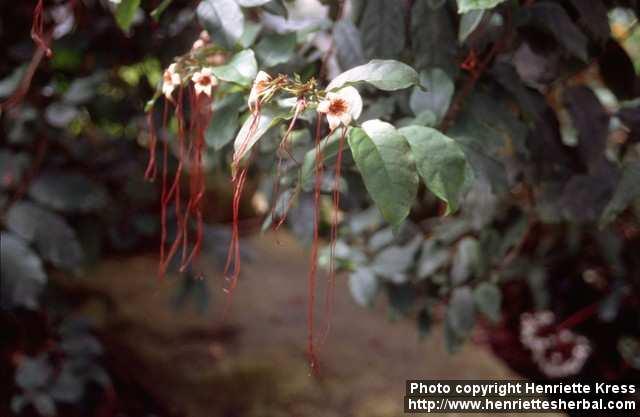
<point x="224" y="122"/>
<point x="488" y="299"/>
<point x="437" y="97"/>
<point x="469" y="23"/>
<point x="23" y="277"/>
<point x="68" y="386"/>
<point x="466" y="260"/>
<point x="382" y="28"/>
<point x="553" y="18"/>
<point x="34" y="373"/>
<point x="363" y="285"/>
<point x="55" y="239"/>
<point x="441" y="163"/>
<point x="465" y="6"/>
<point x="489" y="133"/>
<point x="241" y="69"/>
<point x="382" y="156"/>
<point x="432" y="258"/>
<point x="250" y="33"/>
<point x="348" y="44"/>
<point x="83" y="89"/>
<point x="626" y="192"/>
<point x="433" y="39"/>
<point x="276" y="49"/>
<point x="426" y="118"/>
<point x="44" y="404"/>
<point x="452" y="341"/>
<point x="223" y="19"/>
<point x="393" y="262"/>
<point x="401" y="299"/>
<point x="387" y="75"/>
<point x="59" y="114"/>
<point x="126" y="12"/>
<point x="461" y="311"/>
<point x="512" y="236"/>
<point x="68" y="192"/>
<point x="10" y="83"/>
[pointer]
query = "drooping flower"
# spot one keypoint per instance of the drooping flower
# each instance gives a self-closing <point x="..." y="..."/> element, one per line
<point x="341" y="107"/>
<point x="558" y="353"/>
<point x="259" y="90"/>
<point x="170" y="80"/>
<point x="204" y="81"/>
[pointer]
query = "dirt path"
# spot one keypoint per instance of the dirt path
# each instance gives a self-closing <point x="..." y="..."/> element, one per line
<point x="255" y="364"/>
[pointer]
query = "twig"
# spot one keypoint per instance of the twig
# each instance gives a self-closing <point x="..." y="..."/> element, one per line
<point x="25" y="83"/>
<point x="475" y="76"/>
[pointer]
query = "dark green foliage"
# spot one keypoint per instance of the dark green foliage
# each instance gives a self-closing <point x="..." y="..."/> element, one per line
<point x="494" y="169"/>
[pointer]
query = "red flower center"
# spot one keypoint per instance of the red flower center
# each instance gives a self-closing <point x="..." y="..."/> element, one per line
<point x="338" y="106"/>
<point x="204" y="80"/>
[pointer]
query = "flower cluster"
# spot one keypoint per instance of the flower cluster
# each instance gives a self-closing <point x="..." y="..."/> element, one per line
<point x="203" y="81"/>
<point x="341" y="107"/>
<point x="557" y="353"/>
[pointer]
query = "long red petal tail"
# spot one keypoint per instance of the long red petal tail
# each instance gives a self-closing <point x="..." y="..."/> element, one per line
<point x="151" y="171"/>
<point x="313" y="263"/>
<point x="190" y="157"/>
<point x="284" y="148"/>
<point x="239" y="178"/>
<point x="197" y="183"/>
<point x="174" y="192"/>
<point x="163" y="196"/>
<point x="331" y="280"/>
<point x="233" y="256"/>
<point x="38" y="36"/>
<point x="37" y="28"/>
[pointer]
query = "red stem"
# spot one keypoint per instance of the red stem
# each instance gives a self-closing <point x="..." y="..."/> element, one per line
<point x="578" y="317"/>
<point x="331" y="280"/>
<point x="313" y="361"/>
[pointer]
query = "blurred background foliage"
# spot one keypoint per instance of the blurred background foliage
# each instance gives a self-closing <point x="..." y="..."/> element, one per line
<point x="540" y="97"/>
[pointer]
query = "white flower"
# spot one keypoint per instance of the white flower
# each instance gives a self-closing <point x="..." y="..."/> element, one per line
<point x="259" y="89"/>
<point x="341" y="107"/>
<point x="204" y="80"/>
<point x="115" y="1"/>
<point x="170" y="80"/>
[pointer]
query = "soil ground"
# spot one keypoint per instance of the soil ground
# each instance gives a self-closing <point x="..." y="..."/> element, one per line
<point x="254" y="363"/>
